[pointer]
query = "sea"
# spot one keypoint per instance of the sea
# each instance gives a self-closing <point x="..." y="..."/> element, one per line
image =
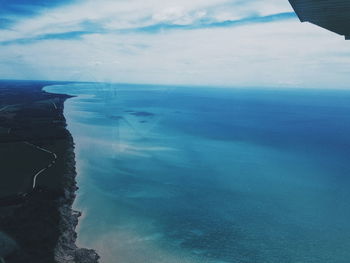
<point x="176" y="174"/>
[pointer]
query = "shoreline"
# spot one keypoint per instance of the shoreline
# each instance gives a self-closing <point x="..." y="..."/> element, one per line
<point x="66" y="250"/>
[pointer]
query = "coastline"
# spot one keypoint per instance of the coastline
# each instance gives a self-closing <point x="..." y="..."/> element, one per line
<point x="66" y="250"/>
<point x="39" y="226"/>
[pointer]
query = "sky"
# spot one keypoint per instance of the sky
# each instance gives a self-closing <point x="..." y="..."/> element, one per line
<point x="226" y="43"/>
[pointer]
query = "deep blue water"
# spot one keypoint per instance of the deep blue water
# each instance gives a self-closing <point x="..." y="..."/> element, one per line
<point x="175" y="174"/>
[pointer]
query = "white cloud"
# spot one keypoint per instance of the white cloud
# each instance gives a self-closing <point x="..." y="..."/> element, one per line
<point x="123" y="14"/>
<point x="285" y="53"/>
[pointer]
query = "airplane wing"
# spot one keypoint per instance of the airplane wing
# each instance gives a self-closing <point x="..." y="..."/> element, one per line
<point x="333" y="15"/>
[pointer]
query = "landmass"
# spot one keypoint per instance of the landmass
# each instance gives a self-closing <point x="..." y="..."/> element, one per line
<point x="37" y="172"/>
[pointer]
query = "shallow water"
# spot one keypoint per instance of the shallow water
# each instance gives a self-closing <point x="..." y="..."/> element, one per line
<point x="174" y="174"/>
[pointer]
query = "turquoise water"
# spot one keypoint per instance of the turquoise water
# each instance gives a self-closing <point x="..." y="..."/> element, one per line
<point x="174" y="174"/>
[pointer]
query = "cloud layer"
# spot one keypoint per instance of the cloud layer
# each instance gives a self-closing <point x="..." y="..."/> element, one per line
<point x="204" y="42"/>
